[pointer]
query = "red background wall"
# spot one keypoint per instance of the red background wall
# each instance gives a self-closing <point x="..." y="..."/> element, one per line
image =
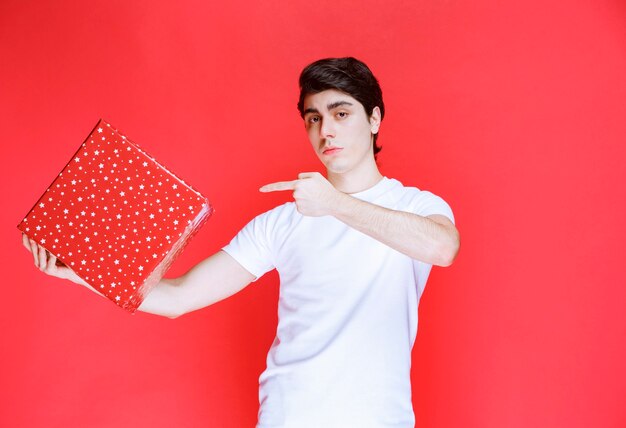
<point x="512" y="111"/>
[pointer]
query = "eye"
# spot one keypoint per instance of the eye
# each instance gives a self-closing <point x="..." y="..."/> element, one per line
<point x="342" y="115"/>
<point x="313" y="119"/>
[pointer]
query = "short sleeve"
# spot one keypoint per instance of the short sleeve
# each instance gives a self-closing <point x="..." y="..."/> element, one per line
<point x="251" y="247"/>
<point x="425" y="203"/>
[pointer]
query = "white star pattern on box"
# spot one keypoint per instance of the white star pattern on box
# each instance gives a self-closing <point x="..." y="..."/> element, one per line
<point x="137" y="199"/>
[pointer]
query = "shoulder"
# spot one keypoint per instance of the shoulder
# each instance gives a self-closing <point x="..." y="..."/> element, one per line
<point x="402" y="193"/>
<point x="286" y="210"/>
<point x="420" y="201"/>
<point x="265" y="228"/>
<point x="275" y="217"/>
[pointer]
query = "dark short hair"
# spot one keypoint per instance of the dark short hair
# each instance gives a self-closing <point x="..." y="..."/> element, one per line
<point x="348" y="75"/>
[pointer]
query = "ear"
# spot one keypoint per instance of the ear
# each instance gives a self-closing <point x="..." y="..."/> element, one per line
<point x="375" y="120"/>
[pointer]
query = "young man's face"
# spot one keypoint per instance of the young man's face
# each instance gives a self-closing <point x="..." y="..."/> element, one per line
<point x="340" y="130"/>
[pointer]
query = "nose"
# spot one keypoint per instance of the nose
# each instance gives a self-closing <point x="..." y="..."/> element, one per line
<point x="327" y="129"/>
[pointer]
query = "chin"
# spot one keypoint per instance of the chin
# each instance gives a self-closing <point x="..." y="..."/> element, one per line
<point x="334" y="165"/>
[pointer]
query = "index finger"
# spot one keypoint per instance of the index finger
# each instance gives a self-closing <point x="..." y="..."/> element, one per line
<point x="279" y="186"/>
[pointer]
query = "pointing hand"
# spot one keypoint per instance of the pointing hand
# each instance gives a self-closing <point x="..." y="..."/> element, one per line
<point x="314" y="195"/>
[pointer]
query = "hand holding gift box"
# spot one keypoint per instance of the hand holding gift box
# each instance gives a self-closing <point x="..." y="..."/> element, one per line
<point x="115" y="217"/>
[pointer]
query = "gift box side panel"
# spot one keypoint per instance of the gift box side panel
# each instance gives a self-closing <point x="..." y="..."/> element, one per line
<point x="21" y="226"/>
<point x="148" y="155"/>
<point x="203" y="211"/>
<point x="155" y="276"/>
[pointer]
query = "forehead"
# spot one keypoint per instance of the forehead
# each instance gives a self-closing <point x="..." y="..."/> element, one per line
<point x="322" y="100"/>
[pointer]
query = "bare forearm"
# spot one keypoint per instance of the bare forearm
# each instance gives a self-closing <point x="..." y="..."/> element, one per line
<point x="418" y="237"/>
<point x="164" y="299"/>
<point x="421" y="238"/>
<point x="208" y="282"/>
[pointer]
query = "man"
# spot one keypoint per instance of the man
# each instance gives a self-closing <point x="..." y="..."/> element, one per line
<point x="353" y="252"/>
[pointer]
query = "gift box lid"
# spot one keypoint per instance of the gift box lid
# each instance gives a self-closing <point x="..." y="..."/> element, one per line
<point x="116" y="217"/>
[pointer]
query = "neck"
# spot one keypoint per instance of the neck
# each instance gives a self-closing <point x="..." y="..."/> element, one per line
<point x="356" y="180"/>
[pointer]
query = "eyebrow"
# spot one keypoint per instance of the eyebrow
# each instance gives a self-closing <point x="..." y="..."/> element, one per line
<point x="329" y="106"/>
<point x="338" y="104"/>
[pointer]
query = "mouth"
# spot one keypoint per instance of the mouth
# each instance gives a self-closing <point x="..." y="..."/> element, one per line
<point x="332" y="150"/>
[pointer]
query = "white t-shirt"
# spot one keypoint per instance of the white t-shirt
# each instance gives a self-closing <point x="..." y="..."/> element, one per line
<point x="347" y="315"/>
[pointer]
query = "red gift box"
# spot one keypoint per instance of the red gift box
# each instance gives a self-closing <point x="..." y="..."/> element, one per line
<point x="116" y="217"/>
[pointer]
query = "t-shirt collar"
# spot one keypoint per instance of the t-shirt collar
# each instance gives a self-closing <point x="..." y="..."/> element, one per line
<point x="375" y="191"/>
